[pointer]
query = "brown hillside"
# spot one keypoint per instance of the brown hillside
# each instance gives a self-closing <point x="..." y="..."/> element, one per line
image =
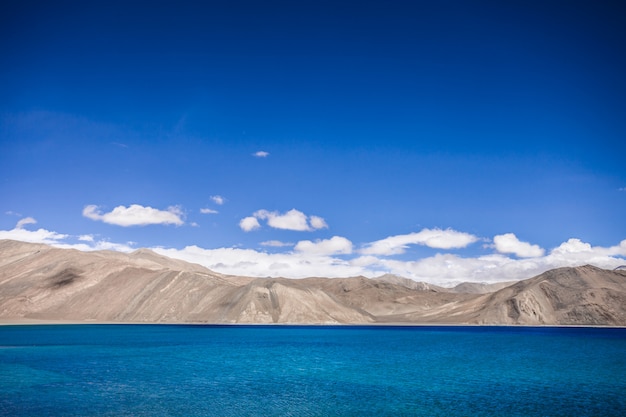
<point x="42" y="282"/>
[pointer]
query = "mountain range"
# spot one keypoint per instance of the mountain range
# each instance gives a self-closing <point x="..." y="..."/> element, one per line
<point x="40" y="282"/>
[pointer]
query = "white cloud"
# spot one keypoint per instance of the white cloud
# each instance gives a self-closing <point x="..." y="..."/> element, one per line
<point x="135" y="215"/>
<point x="23" y="222"/>
<point x="33" y="236"/>
<point x="276" y="243"/>
<point x="291" y="220"/>
<point x="617" y="250"/>
<point x="218" y="199"/>
<point x="334" y="245"/>
<point x="208" y="211"/>
<point x="318" y="223"/>
<point x="86" y="238"/>
<point x="577" y="249"/>
<point x="261" y="154"/>
<point x="434" y="238"/>
<point x="248" y="224"/>
<point x="572" y="246"/>
<point x="509" y="243"/>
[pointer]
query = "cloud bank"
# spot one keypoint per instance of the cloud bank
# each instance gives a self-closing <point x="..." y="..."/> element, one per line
<point x="506" y="259"/>
<point x="320" y="258"/>
<point x="135" y="215"/>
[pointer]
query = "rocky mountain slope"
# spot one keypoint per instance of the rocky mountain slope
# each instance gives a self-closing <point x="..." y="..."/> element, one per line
<point x="46" y="283"/>
<point x="582" y="295"/>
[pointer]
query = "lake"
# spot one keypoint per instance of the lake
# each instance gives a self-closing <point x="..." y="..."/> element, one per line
<point x="189" y="370"/>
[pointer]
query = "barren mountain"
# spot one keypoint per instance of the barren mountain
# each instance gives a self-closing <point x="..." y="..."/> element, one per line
<point x="42" y="282"/>
<point x="583" y="295"/>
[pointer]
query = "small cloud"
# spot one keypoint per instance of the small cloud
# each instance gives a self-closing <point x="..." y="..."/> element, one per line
<point x="86" y="238"/>
<point x="276" y="243"/>
<point x="135" y="215"/>
<point x="261" y="154"/>
<point x="334" y="245"/>
<point x="318" y="222"/>
<point x="291" y="220"/>
<point x="248" y="224"/>
<point x="621" y="189"/>
<point x="218" y="199"/>
<point x="26" y="220"/>
<point x="433" y="238"/>
<point x="509" y="243"/>
<point x="208" y="211"/>
<point x="12" y="213"/>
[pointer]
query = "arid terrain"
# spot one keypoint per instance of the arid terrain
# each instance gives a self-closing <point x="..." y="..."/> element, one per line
<point x="39" y="282"/>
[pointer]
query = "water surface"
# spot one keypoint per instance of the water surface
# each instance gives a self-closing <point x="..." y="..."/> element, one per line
<point x="178" y="370"/>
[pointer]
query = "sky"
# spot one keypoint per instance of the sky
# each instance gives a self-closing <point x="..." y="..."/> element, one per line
<point x="443" y="141"/>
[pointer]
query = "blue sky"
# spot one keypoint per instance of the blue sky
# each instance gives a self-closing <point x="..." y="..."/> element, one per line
<point x="444" y="141"/>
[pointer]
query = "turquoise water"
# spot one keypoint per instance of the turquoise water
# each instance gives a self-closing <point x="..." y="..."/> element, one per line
<point x="161" y="370"/>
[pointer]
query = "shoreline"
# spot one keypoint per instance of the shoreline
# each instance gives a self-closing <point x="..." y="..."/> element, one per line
<point x="47" y="322"/>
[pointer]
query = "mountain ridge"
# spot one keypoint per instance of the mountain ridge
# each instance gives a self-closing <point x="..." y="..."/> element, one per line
<point x="38" y="281"/>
